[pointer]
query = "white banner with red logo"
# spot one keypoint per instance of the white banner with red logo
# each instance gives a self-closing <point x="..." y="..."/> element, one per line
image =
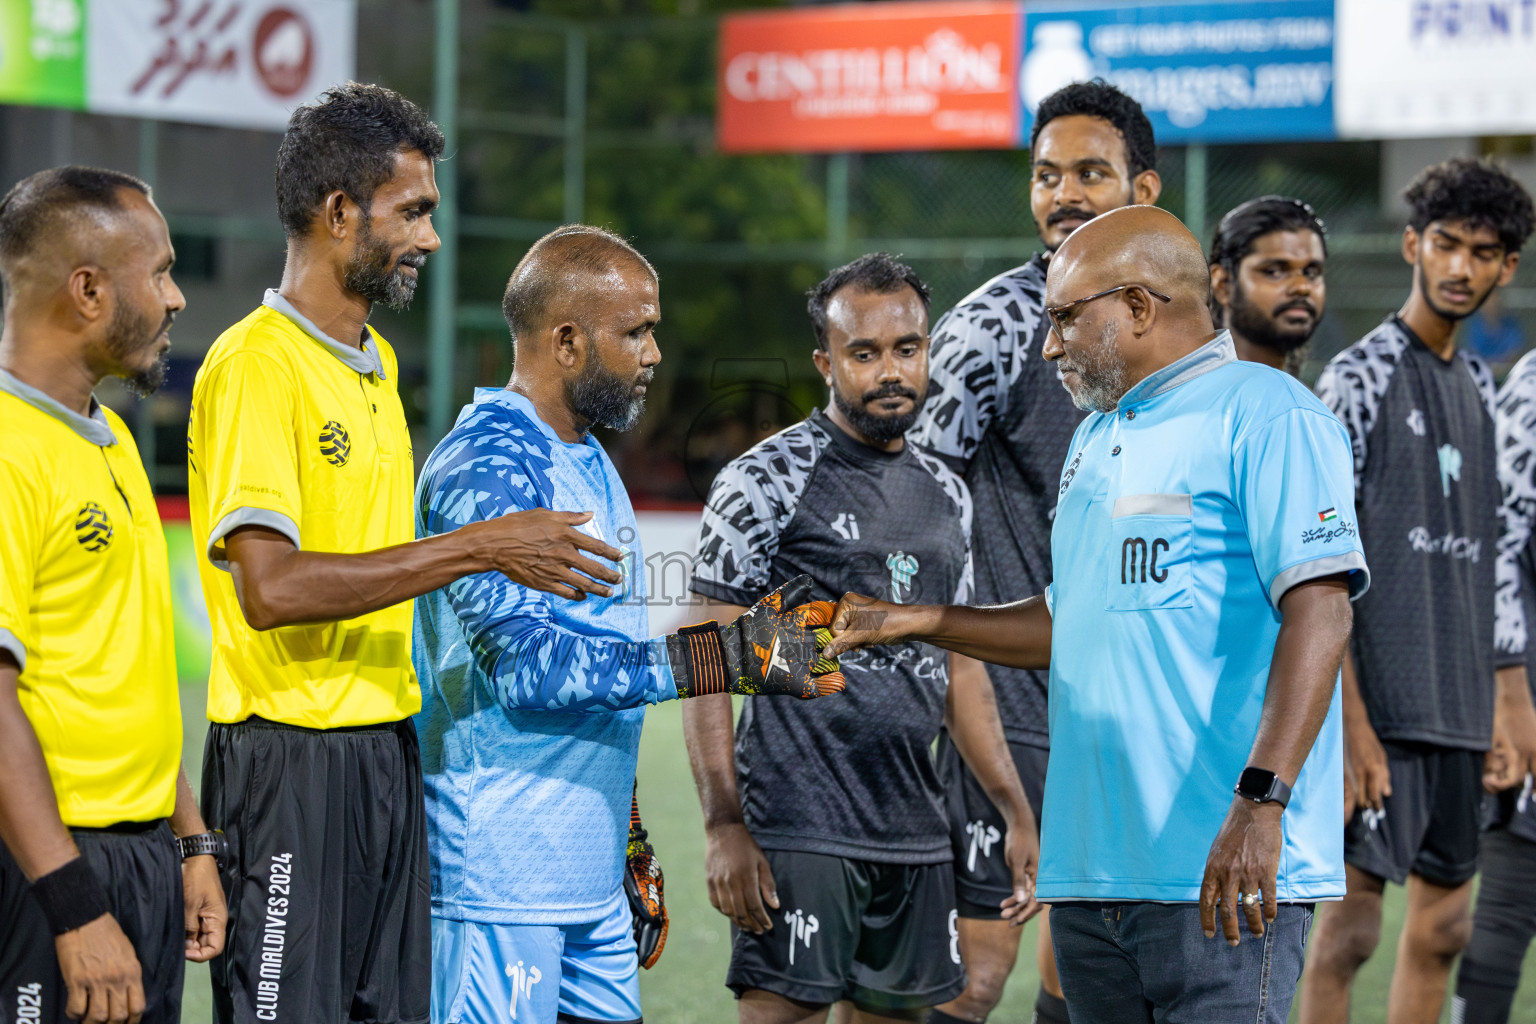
<point x="241" y="63"/>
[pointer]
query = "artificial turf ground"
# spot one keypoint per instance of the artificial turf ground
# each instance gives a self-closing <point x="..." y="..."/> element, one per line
<point x="687" y="986"/>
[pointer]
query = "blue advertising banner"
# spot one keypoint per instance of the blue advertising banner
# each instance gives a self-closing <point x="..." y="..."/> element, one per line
<point x="1204" y="72"/>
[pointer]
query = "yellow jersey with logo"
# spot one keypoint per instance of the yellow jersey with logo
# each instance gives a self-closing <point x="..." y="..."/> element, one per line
<point x="292" y="431"/>
<point x="85" y="608"/>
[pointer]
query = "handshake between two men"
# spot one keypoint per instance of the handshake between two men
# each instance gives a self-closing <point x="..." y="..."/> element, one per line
<point x="787" y="645"/>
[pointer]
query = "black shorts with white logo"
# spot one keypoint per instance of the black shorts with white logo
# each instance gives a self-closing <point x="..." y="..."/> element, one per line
<point x="139" y="865"/>
<point x="1430" y="824"/>
<point x="882" y="936"/>
<point x="982" y="878"/>
<point x="327" y="879"/>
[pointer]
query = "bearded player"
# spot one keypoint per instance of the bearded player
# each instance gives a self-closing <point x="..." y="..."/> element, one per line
<point x="528" y="800"/>
<point x="1267" y="284"/>
<point x="998" y="414"/>
<point x="300" y="473"/>
<point x="827" y="840"/>
<point x="100" y="905"/>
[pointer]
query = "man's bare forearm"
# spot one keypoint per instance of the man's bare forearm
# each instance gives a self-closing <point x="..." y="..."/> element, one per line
<point x="1017" y="635"/>
<point x="1314" y="630"/>
<point x="709" y="733"/>
<point x="1513" y="690"/>
<point x="1353" y="701"/>
<point x="977" y="730"/>
<point x="281" y="585"/>
<point x="30" y="824"/>
<point x="186" y="819"/>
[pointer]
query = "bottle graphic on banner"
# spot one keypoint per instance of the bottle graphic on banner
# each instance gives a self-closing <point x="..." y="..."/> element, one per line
<point x="1056" y="58"/>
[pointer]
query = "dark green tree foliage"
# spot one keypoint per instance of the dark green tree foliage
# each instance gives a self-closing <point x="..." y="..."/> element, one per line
<point x="652" y="173"/>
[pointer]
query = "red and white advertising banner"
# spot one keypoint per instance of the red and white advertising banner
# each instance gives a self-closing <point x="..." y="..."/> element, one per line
<point x="870" y="77"/>
<point x="244" y="63"/>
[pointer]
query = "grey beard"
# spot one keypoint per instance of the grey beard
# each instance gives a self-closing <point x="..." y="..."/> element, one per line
<point x="1102" y="381"/>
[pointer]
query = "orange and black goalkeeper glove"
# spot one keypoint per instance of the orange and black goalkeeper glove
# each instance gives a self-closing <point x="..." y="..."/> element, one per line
<point x="642" y="884"/>
<point x="772" y="649"/>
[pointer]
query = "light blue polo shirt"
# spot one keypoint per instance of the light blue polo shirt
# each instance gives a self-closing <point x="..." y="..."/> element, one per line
<point x="1183" y="517"/>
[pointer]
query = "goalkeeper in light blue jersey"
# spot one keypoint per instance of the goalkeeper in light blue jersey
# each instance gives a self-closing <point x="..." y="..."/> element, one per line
<point x="532" y="704"/>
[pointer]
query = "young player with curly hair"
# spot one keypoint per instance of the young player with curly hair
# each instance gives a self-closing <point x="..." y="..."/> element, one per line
<point x="1424" y="694"/>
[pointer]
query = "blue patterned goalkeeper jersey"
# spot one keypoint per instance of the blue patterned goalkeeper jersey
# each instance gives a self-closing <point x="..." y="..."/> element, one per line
<point x="531" y="704"/>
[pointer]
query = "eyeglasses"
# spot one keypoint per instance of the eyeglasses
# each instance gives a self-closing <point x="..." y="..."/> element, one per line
<point x="1058" y="314"/>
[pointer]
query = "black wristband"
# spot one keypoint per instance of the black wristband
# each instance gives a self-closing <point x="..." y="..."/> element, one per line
<point x="702" y="657"/>
<point x="203" y="844"/>
<point x="71" y="896"/>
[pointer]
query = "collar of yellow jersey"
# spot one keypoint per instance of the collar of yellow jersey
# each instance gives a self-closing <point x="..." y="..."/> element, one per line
<point x="93" y="428"/>
<point x="364" y="360"/>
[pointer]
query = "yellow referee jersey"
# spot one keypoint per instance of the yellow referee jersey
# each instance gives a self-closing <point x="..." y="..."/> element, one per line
<point x="85" y="608"/>
<point x="293" y="431"/>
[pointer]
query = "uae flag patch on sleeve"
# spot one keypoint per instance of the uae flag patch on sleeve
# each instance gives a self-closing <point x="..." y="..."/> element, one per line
<point x="1327" y="515"/>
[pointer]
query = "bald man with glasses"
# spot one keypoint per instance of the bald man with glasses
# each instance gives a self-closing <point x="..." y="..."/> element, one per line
<point x="1204" y="560"/>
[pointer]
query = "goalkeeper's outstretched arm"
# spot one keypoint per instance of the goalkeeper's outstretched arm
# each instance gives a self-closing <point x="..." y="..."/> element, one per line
<point x="532" y="663"/>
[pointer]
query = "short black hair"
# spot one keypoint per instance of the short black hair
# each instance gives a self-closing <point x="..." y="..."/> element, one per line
<point x="348" y="141"/>
<point x="1100" y="99"/>
<point x="546" y="269"/>
<point x="36" y="207"/>
<point x="1248" y="222"/>
<point x="1479" y="191"/>
<point x="877" y="272"/>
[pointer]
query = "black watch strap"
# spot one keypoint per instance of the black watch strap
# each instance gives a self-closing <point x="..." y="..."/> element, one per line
<point x="204" y="844"/>
<point x="1262" y="787"/>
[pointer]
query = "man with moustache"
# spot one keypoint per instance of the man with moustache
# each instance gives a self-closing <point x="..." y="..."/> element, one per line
<point x="100" y="904"/>
<point x="1267" y="283"/>
<point x="300" y="475"/>
<point x="827" y="842"/>
<point x="527" y="806"/>
<point x="997" y="413"/>
<point x="1193" y="632"/>
<point x="1422" y="700"/>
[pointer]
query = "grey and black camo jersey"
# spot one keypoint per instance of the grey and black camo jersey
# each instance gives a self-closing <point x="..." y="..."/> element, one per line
<point x="1515" y="570"/>
<point x="851" y="775"/>
<point x="998" y="414"/>
<point x="1427" y="494"/>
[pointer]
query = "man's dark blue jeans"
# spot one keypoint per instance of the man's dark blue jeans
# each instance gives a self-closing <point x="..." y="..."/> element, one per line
<point x="1128" y="963"/>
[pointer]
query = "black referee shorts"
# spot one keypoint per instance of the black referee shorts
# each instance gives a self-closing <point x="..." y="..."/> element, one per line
<point x="329" y="898"/>
<point x="976" y="828"/>
<point x="139" y="865"/>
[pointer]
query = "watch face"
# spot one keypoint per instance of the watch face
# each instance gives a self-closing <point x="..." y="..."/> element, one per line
<point x="1255" y="783"/>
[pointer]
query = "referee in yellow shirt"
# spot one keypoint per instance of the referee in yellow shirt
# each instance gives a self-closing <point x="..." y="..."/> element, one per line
<point x="301" y="481"/>
<point x="93" y="922"/>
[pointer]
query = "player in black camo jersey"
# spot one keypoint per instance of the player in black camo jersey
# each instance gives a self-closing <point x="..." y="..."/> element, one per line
<point x="998" y="414"/>
<point x="1267" y="284"/>
<point x="827" y="841"/>
<point x="1422" y="701"/>
<point x="1505" y="919"/>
